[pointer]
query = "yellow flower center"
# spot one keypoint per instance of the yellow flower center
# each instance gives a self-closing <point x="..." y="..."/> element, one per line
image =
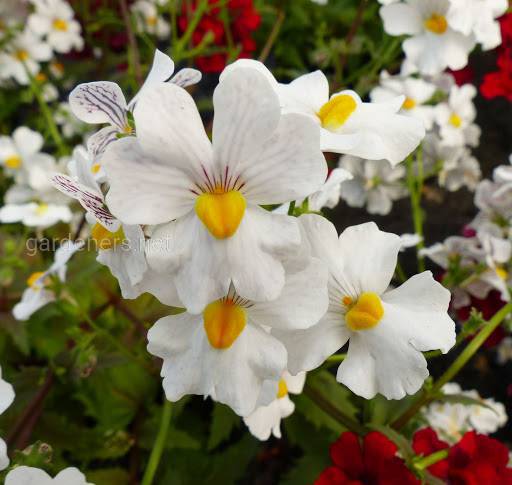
<point x="59" y="24"/>
<point x="224" y="321"/>
<point x="13" y="162"/>
<point x="437" y="24"/>
<point x="366" y="313"/>
<point x="106" y="239"/>
<point x="41" y="77"/>
<point x="221" y="212"/>
<point x="41" y="209"/>
<point x="409" y="103"/>
<point x="95" y="168"/>
<point x="32" y="280"/>
<point x="57" y="66"/>
<point x="502" y="273"/>
<point x="455" y="120"/>
<point x="337" y="111"/>
<point x="282" y="389"/>
<point x="151" y="20"/>
<point x="21" y="55"/>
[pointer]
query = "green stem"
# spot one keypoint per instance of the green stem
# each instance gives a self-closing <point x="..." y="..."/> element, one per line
<point x="272" y="36"/>
<point x="428" y="396"/>
<point x="415" y="185"/>
<point x="158" y="447"/>
<point x="429" y="460"/>
<point x="180" y="45"/>
<point x="291" y="208"/>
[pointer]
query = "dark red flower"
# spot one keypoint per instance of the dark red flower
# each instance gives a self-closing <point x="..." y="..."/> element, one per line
<point x="425" y="442"/>
<point x="477" y="460"/>
<point x="372" y="462"/>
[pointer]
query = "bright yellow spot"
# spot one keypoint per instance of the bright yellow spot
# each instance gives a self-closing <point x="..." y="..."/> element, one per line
<point x="59" y="24"/>
<point x="223" y="323"/>
<point x="436" y="23"/>
<point x="13" y="162"/>
<point x="41" y="77"/>
<point x="127" y="130"/>
<point x="106" y="239"/>
<point x="41" y="209"/>
<point x="347" y="300"/>
<point x="221" y="213"/>
<point x="95" y="168"/>
<point x="502" y="273"/>
<point x="21" y="55"/>
<point x="409" y="103"/>
<point x="455" y="120"/>
<point x="366" y="313"/>
<point x="32" y="279"/>
<point x="337" y="111"/>
<point x="151" y="20"/>
<point x="282" y="389"/>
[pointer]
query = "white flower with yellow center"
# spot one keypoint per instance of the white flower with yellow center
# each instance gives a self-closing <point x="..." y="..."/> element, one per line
<point x="461" y="172"/>
<point x="478" y="17"/>
<point x="456" y="117"/>
<point x="387" y="330"/>
<point x="6" y="399"/>
<point x="35" y="214"/>
<point x="149" y="20"/>
<point x="26" y="475"/>
<point x="23" y="53"/>
<point x="227" y="352"/>
<point x="347" y="125"/>
<point x="433" y="44"/>
<point x="417" y="93"/>
<point x="54" y="20"/>
<point x="212" y="191"/>
<point x="39" y="293"/>
<point x="266" y="420"/>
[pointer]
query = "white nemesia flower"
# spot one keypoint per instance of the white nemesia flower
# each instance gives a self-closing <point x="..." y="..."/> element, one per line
<point x="69" y="124"/>
<point x="212" y="192"/>
<point x="387" y="331"/>
<point x="434" y="45"/>
<point x="227" y="352"/>
<point x="34" y="214"/>
<point x="6" y="399"/>
<point x="456" y="117"/>
<point x="375" y="184"/>
<point x="409" y="241"/>
<point x="347" y="124"/>
<point x="462" y="172"/>
<point x="417" y="93"/>
<point x="148" y="19"/>
<point x="26" y="475"/>
<point x="54" y="20"/>
<point x="23" y="53"/>
<point x="477" y="17"/>
<point x="266" y="420"/>
<point x="37" y="294"/>
<point x="329" y="194"/>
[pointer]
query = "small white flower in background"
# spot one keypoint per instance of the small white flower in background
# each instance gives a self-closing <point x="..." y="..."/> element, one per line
<point x="375" y="184"/>
<point x="433" y="44"/>
<point x="347" y="124"/>
<point x="149" y="20"/>
<point x="6" y="399"/>
<point x="38" y="294"/>
<point x="417" y="93"/>
<point x="329" y="194"/>
<point x="35" y="214"/>
<point x="456" y="117"/>
<point x="227" y="352"/>
<point x="23" y="53"/>
<point x="452" y="419"/>
<point x="409" y="241"/>
<point x="207" y="195"/>
<point x="477" y="17"/>
<point x="12" y="14"/>
<point x="504" y="351"/>
<point x="69" y="124"/>
<point x="494" y="199"/>
<point x="26" y="475"/>
<point x="104" y="102"/>
<point x="462" y="172"/>
<point x="266" y="420"/>
<point x="387" y="330"/>
<point x="54" y="20"/>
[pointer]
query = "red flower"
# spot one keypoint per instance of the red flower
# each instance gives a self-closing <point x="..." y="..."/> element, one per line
<point x="478" y="460"/>
<point x="425" y="442"/>
<point x="243" y="20"/>
<point x="373" y="463"/>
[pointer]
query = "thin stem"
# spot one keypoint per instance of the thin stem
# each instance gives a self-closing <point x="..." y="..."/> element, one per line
<point x="415" y="185"/>
<point x="132" y="43"/>
<point x="429" y="460"/>
<point x="265" y="52"/>
<point x="178" y="47"/>
<point x="158" y="447"/>
<point x="428" y="396"/>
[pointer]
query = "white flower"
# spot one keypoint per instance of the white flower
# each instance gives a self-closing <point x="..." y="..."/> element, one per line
<point x="375" y="184"/>
<point x="387" y="331"/>
<point x="417" y="93"/>
<point x="477" y="17"/>
<point x="6" y="399"/>
<point x="266" y="420"/>
<point x="69" y="124"/>
<point x="329" y="194"/>
<point x="34" y="214"/>
<point x="213" y="191"/>
<point x="38" y="294"/>
<point x="12" y="14"/>
<point x="54" y="20"/>
<point x="26" y="475"/>
<point x="227" y="352"/>
<point x="148" y="19"/>
<point x="456" y="117"/>
<point x="504" y="351"/>
<point x="347" y="125"/>
<point x="464" y="171"/>
<point x="23" y="53"/>
<point x="409" y="241"/>
<point x="434" y="45"/>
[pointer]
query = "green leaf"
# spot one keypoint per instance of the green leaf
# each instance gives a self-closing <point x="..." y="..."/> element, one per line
<point x="224" y="420"/>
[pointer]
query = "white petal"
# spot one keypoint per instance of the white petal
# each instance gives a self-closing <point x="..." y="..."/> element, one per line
<point x="6" y="394"/>
<point x="98" y="143"/>
<point x="24" y="475"/>
<point x="27" y="141"/>
<point x="4" y="459"/>
<point x="186" y="77"/>
<point x="70" y="476"/>
<point x="31" y="301"/>
<point x="306" y="94"/>
<point x="401" y="19"/>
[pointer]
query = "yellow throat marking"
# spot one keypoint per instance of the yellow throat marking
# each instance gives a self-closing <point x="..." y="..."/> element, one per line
<point x="106" y="239"/>
<point x="337" y="111"/>
<point x="366" y="313"/>
<point x="436" y="24"/>
<point x="13" y="161"/>
<point x="224" y="321"/>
